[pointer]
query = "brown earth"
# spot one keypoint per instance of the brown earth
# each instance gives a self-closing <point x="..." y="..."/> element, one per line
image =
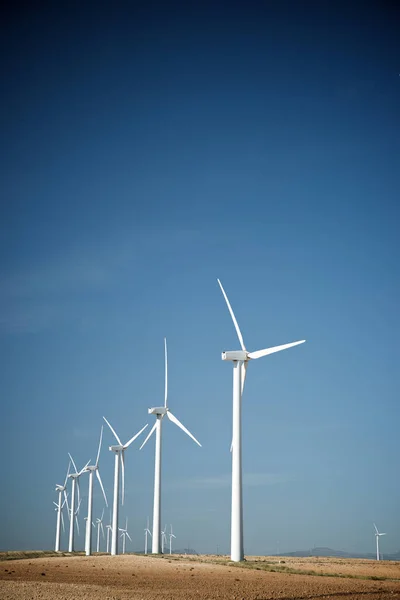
<point x="135" y="577"/>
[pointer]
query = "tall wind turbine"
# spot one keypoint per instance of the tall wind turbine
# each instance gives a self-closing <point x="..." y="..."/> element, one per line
<point x="377" y="535"/>
<point x="240" y="359"/>
<point x="147" y="533"/>
<point x="60" y="489"/>
<point x="75" y="482"/>
<point x="119" y="458"/>
<point x="93" y="469"/>
<point x="160" y="413"/>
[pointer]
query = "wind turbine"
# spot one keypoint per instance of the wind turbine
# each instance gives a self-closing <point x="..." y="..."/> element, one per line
<point x="240" y="360"/>
<point x="93" y="469"/>
<point x="109" y="529"/>
<point x="119" y="457"/>
<point x="147" y="532"/>
<point x="160" y="413"/>
<point x="171" y="535"/>
<point x="124" y="535"/>
<point x="75" y="481"/>
<point x="99" y="526"/>
<point x="163" y="539"/>
<point x="57" y="510"/>
<point x="377" y="535"/>
<point x="60" y="489"/>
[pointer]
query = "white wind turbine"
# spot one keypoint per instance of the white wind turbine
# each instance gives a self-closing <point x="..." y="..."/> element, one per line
<point x="99" y="526"/>
<point x="163" y="538"/>
<point x="93" y="469"/>
<point x="160" y="413"/>
<point x="240" y="359"/>
<point x="109" y="529"/>
<point x="119" y="457"/>
<point x="75" y="481"/>
<point x="171" y="535"/>
<point x="60" y="512"/>
<point x="147" y="533"/>
<point x="124" y="535"/>
<point x="377" y="535"/>
<point x="60" y="489"/>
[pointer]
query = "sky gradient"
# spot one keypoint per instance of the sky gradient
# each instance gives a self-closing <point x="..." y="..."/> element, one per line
<point x="147" y="149"/>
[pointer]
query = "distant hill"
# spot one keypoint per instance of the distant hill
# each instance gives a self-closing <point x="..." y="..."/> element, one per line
<point x="339" y="554"/>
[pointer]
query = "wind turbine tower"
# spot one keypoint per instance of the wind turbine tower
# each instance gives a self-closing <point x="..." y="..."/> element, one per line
<point x="240" y="360"/>
<point x="119" y="458"/>
<point x="377" y="535"/>
<point x="160" y="412"/>
<point x="75" y="482"/>
<point x="60" y="489"/>
<point x="93" y="469"/>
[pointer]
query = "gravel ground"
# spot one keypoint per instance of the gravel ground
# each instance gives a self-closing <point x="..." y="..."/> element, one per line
<point x="140" y="577"/>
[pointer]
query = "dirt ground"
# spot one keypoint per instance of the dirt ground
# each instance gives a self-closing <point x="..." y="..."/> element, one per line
<point x="135" y="577"/>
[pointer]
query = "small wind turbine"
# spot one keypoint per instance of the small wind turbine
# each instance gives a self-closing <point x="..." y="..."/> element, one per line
<point x="124" y="535"/>
<point x="99" y="525"/>
<point x="147" y="532"/>
<point x="163" y="539"/>
<point x="93" y="469"/>
<point x="160" y="413"/>
<point x="171" y="535"/>
<point x="119" y="457"/>
<point x="60" y="489"/>
<point x="377" y="535"/>
<point x="109" y="529"/>
<point x="75" y="481"/>
<point x="240" y="360"/>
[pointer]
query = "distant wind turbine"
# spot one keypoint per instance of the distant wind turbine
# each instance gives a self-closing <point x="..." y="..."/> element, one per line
<point x="377" y="535"/>
<point x="171" y="535"/>
<point x="147" y="533"/>
<point x="61" y="490"/>
<point x="75" y="481"/>
<point x="163" y="538"/>
<point x="240" y="360"/>
<point x="99" y="526"/>
<point x="119" y="458"/>
<point x="109" y="529"/>
<point x="160" y="413"/>
<point x="93" y="469"/>
<point x="124" y="535"/>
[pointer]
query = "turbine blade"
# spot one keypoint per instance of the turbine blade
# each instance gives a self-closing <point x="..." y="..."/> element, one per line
<point x="116" y="437"/>
<point x="55" y="503"/>
<point x="73" y="462"/>
<point x="149" y="435"/>
<point x="239" y="334"/>
<point x="123" y="475"/>
<point x="79" y="493"/>
<point x="266" y="351"/>
<point x="66" y="500"/>
<point x="83" y="470"/>
<point x="98" y="451"/>
<point x="102" y="515"/>
<point x="66" y="478"/>
<point x="62" y="522"/>
<point x="135" y="436"/>
<point x="244" y="371"/>
<point x="128" y="536"/>
<point x="77" y="525"/>
<point x="175" y="420"/>
<point x="101" y="485"/>
<point x="102" y="529"/>
<point x="166" y="373"/>
<point x="376" y="529"/>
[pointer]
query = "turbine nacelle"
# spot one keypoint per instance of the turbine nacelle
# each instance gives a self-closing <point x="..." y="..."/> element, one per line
<point x="91" y="468"/>
<point x="116" y="448"/>
<point x="158" y="410"/>
<point x="235" y="355"/>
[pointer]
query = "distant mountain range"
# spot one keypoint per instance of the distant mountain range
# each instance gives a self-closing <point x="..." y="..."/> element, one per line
<point x="339" y="554"/>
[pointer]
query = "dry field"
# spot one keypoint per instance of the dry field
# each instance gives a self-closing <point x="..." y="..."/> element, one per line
<point x="136" y="577"/>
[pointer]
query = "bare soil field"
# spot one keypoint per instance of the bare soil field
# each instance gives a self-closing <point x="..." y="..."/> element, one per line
<point x="176" y="577"/>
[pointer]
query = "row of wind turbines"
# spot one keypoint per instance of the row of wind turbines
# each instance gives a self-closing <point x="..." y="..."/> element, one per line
<point x="240" y="359"/>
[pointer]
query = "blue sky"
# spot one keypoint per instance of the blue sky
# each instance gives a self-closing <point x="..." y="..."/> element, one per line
<point x="148" y="150"/>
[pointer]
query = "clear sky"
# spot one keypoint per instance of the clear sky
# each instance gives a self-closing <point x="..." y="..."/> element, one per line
<point x="147" y="149"/>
